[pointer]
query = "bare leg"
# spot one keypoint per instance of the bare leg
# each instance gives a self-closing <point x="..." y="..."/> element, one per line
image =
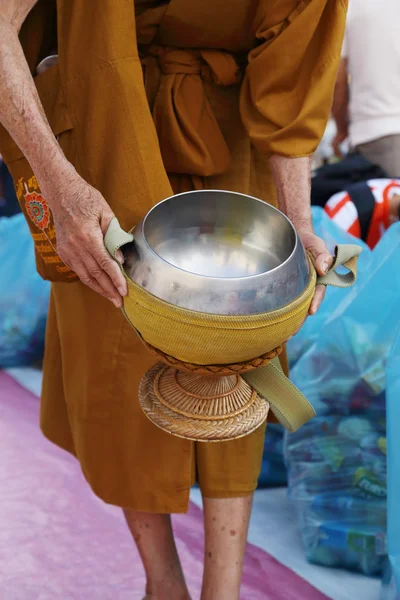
<point x="155" y="541"/>
<point x="226" y="523"/>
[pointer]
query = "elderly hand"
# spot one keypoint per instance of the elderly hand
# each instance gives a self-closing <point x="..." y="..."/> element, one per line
<point x="292" y="177"/>
<point x="322" y="260"/>
<point x="81" y="217"/>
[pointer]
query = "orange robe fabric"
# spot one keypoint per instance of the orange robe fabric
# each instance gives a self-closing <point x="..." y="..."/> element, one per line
<point x="168" y="97"/>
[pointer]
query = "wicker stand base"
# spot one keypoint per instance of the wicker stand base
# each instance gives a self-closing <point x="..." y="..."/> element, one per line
<point x="201" y="407"/>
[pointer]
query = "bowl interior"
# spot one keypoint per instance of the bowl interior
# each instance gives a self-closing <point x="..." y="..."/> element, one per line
<point x="219" y="234"/>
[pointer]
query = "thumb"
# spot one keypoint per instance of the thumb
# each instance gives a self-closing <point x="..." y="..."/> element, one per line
<point x="106" y="216"/>
<point x="119" y="257"/>
<point x="322" y="257"/>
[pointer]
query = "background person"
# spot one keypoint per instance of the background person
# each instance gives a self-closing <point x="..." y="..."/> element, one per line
<point x="366" y="104"/>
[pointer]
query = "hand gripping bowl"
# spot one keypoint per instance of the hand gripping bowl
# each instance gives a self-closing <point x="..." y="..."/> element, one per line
<point x="217" y="282"/>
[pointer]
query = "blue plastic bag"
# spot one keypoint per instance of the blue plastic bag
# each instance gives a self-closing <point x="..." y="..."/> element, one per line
<point x="337" y="462"/>
<point x="393" y="431"/>
<point x="337" y="480"/>
<point x="388" y="589"/>
<point x="332" y="235"/>
<point x="343" y="372"/>
<point x="24" y="296"/>
<point x="273" y="467"/>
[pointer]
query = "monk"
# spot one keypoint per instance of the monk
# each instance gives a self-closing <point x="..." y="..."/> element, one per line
<point x="143" y="99"/>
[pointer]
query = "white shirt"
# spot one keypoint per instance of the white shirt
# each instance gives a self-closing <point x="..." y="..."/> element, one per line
<point x="372" y="47"/>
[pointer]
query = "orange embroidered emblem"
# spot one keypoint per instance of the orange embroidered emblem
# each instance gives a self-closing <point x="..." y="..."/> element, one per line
<point x="37" y="209"/>
<point x="41" y="224"/>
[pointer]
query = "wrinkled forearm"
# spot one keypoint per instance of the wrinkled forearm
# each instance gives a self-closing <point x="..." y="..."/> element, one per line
<point x="21" y="113"/>
<point x="292" y="177"/>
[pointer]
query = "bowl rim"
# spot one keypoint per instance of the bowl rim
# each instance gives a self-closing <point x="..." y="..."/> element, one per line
<point x="143" y="223"/>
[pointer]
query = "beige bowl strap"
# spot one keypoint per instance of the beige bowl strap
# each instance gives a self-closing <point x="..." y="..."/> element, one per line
<point x="116" y="237"/>
<point x="289" y="405"/>
<point x="346" y="255"/>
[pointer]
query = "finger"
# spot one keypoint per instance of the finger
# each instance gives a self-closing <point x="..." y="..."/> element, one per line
<point x="322" y="257"/>
<point x="108" y="264"/>
<point x="96" y="273"/>
<point x="319" y="295"/>
<point x="84" y="275"/>
<point x="105" y="221"/>
<point x="323" y="262"/>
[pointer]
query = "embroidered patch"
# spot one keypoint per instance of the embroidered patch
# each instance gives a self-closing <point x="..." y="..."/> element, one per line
<point x="37" y="209"/>
<point x="38" y="214"/>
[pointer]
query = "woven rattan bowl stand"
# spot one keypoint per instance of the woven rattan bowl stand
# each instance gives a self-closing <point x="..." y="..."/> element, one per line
<point x="203" y="403"/>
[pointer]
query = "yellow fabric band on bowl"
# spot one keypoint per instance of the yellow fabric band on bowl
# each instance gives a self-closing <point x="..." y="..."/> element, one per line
<point x="203" y="339"/>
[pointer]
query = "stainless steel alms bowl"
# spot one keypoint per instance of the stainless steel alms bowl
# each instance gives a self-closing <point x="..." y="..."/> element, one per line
<point x="218" y="252"/>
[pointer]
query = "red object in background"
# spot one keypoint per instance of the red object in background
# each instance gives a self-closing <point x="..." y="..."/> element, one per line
<point x="344" y="212"/>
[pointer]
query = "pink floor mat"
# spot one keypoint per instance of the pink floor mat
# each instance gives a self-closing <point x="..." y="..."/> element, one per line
<point x="58" y="541"/>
